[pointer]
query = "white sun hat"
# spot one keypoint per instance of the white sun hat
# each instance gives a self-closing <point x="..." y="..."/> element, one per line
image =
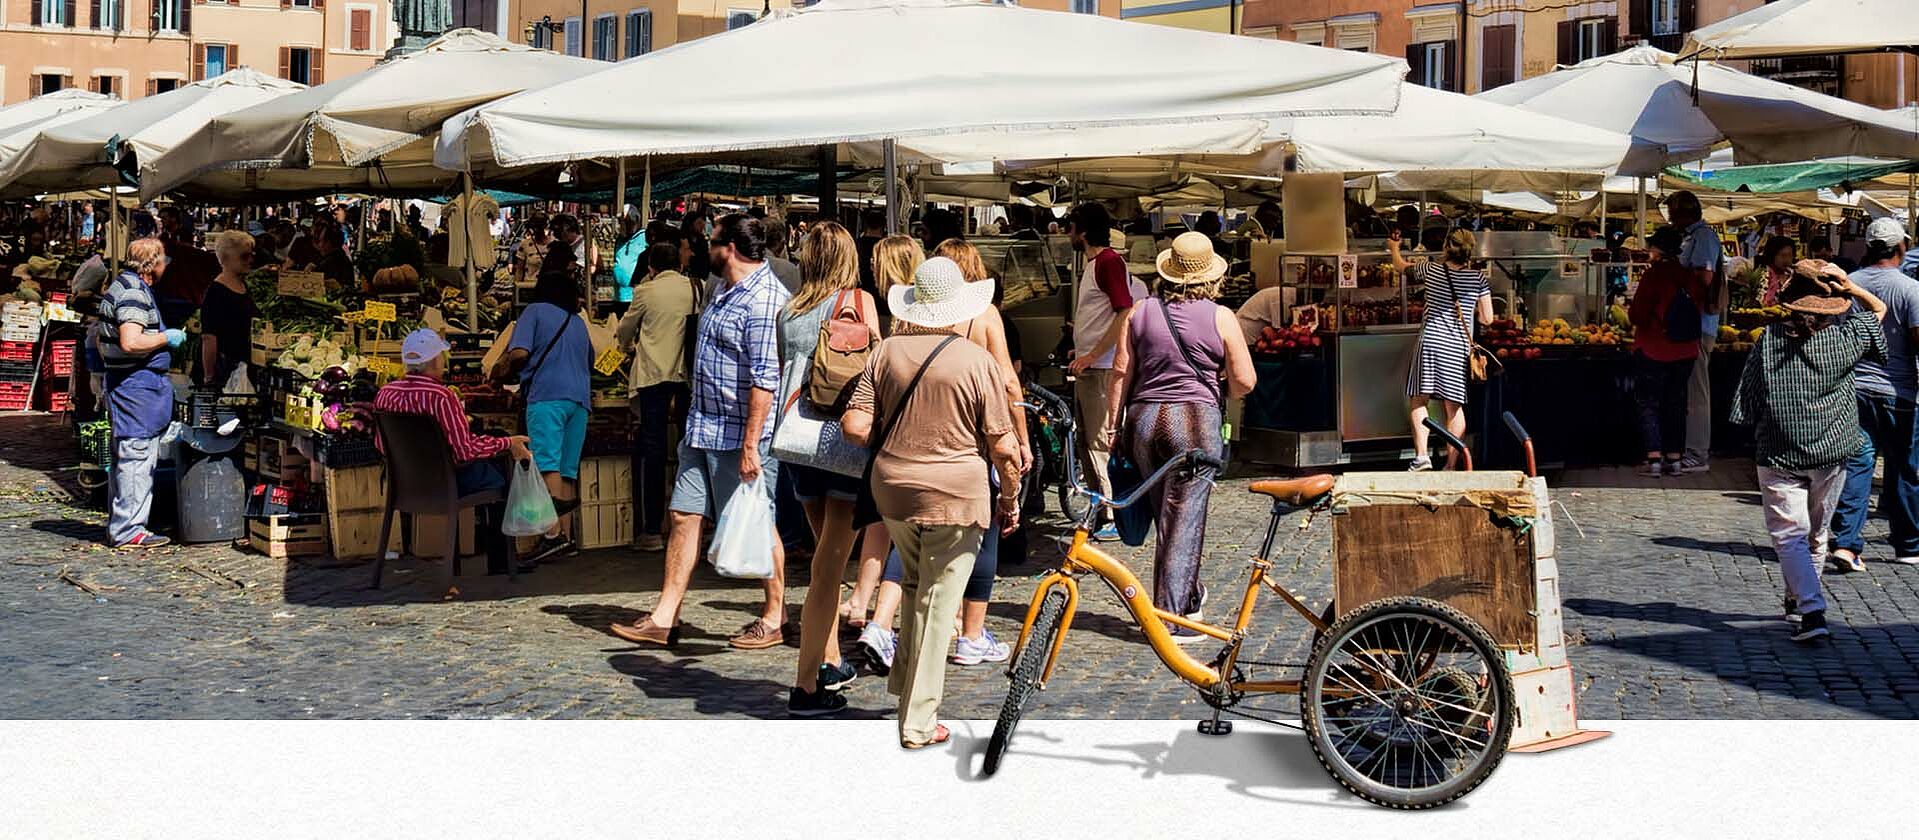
<point x="939" y="296"/>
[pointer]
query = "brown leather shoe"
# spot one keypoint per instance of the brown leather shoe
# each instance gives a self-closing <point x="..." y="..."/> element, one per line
<point x="758" y="635"/>
<point x="644" y="632"/>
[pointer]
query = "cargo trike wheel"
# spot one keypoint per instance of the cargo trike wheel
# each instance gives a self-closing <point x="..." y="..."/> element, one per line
<point x="1408" y="703"/>
<point x="1028" y="666"/>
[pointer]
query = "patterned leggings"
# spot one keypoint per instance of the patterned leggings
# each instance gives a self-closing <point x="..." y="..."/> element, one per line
<point x="1156" y="433"/>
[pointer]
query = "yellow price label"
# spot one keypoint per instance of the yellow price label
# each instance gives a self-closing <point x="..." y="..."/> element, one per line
<point x="610" y="361"/>
<point x="303" y="284"/>
<point x="380" y="311"/>
<point x="385" y="367"/>
<point x="353" y="317"/>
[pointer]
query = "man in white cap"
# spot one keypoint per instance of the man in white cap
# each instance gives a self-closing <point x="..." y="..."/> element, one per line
<point x="421" y="392"/>
<point x="1885" y="392"/>
<point x="927" y="424"/>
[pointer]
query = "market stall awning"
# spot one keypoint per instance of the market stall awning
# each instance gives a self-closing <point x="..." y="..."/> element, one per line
<point x="1642" y="92"/>
<point x="370" y="132"/>
<point x="95" y="150"/>
<point x="849" y="71"/>
<point x="16" y="139"/>
<point x="46" y="105"/>
<point x="1791" y="177"/>
<point x="1809" y="27"/>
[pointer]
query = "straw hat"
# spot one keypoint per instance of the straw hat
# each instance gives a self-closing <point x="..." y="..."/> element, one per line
<point x="1191" y="260"/>
<point x="1815" y="289"/>
<point x="939" y="296"/>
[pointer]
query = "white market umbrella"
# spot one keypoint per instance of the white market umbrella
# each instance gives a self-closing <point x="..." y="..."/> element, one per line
<point x="1642" y="92"/>
<point x="16" y="138"/>
<point x="88" y="152"/>
<point x="47" y="105"/>
<point x="850" y="71"/>
<point x="369" y="132"/>
<point x="1809" y="27"/>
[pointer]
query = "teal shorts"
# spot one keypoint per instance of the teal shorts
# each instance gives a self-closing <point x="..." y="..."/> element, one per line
<point x="558" y="432"/>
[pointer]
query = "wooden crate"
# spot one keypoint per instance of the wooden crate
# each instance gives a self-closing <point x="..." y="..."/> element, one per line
<point x="1448" y="536"/>
<point x="605" y="517"/>
<point x="356" y="500"/>
<point x="288" y="535"/>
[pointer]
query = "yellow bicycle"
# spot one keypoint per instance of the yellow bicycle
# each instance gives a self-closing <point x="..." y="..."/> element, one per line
<point x="1406" y="701"/>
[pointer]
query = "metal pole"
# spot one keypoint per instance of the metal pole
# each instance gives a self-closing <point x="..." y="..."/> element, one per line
<point x="114" y="248"/>
<point x="1912" y="205"/>
<point x="466" y="233"/>
<point x="892" y="187"/>
<point x="1639" y="209"/>
<point x="619" y="189"/>
<point x="646" y="191"/>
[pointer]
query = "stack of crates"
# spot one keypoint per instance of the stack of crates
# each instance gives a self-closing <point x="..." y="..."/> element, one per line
<point x="58" y="373"/>
<point x="19" y="338"/>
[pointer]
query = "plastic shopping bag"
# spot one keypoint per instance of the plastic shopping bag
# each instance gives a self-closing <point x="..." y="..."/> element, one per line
<point x="529" y="510"/>
<point x="743" y="538"/>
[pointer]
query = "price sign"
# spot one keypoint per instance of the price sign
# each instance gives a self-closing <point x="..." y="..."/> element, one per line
<point x="353" y="317"/>
<point x="610" y="361"/>
<point x="386" y="368"/>
<point x="1349" y="271"/>
<point x="380" y="311"/>
<point x="303" y="284"/>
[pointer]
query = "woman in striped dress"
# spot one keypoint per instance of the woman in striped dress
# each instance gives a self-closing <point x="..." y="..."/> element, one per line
<point x="1455" y="292"/>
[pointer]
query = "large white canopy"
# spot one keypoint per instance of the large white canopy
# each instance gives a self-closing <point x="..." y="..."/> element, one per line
<point x="1809" y="27"/>
<point x="76" y="154"/>
<point x="369" y="131"/>
<point x="848" y="71"/>
<point x="15" y="139"/>
<point x="46" y="105"/>
<point x="1642" y="92"/>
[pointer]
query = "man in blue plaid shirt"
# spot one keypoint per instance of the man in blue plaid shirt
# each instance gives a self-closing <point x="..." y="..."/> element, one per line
<point x="729" y="428"/>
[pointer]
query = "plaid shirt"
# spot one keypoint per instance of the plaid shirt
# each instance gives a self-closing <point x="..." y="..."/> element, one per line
<point x="738" y="350"/>
<point x="1798" y="395"/>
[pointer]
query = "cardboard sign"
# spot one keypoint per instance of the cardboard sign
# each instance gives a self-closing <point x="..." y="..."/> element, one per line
<point x="386" y="368"/>
<point x="610" y="361"/>
<point x="381" y="311"/>
<point x="353" y="317"/>
<point x="303" y="284"/>
<point x="1349" y="271"/>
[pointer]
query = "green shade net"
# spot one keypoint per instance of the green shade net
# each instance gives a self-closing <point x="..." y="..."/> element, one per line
<point x="1790" y="177"/>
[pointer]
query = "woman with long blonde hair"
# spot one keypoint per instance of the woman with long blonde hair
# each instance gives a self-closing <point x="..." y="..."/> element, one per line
<point x="976" y="644"/>
<point x="829" y="287"/>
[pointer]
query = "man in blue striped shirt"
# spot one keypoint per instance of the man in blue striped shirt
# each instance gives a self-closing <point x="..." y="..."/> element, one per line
<point x="729" y="428"/>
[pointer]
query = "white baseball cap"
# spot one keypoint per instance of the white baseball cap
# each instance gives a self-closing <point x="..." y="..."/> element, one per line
<point x="1887" y="230"/>
<point x="421" y="346"/>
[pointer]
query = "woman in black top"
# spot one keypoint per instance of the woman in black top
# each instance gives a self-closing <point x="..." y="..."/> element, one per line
<point x="226" y="314"/>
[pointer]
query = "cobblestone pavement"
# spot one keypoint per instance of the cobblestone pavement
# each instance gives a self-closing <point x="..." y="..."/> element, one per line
<point x="1671" y="600"/>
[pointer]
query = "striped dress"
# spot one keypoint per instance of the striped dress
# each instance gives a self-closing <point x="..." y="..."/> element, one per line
<point x="1439" y="368"/>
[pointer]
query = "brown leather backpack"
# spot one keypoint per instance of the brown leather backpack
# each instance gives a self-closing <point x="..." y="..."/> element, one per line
<point x="845" y="344"/>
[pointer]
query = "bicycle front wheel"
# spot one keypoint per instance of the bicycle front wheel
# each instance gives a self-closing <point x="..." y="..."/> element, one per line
<point x="1028" y="666"/>
<point x="1072" y="505"/>
<point x="1408" y="703"/>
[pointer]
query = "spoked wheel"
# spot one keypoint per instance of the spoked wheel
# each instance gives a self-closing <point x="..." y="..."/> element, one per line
<point x="1028" y="666"/>
<point x="1408" y="703"/>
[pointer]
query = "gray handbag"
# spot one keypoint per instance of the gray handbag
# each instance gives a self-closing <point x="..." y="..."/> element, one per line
<point x="811" y="438"/>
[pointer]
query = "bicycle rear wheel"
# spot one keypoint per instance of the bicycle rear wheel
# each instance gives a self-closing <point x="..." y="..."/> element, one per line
<point x="1028" y="665"/>
<point x="1407" y="702"/>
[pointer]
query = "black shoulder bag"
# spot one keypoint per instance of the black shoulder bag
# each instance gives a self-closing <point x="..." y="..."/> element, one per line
<point x="865" y="512"/>
<point x="1192" y="363"/>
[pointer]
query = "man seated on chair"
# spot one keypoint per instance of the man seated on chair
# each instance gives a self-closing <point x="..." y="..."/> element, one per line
<point x="421" y="392"/>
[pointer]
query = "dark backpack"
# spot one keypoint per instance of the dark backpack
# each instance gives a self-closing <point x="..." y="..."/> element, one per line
<point x="1682" y="318"/>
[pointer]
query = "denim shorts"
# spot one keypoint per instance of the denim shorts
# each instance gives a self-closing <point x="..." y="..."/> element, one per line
<point x="557" y="429"/>
<point x="708" y="477"/>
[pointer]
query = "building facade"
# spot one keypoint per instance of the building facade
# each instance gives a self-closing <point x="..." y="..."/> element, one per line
<point x="614" y="30"/>
<point x="1427" y="34"/>
<point x="1225" y="16"/>
<point x="135" y="48"/>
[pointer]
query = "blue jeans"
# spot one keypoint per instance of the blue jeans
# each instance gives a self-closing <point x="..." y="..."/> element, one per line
<point x="478" y="476"/>
<point x="1888" y="424"/>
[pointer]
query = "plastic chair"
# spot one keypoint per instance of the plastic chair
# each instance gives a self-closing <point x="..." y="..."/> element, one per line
<point x="420" y="479"/>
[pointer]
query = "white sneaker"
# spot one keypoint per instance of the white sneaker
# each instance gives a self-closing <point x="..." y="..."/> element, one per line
<point x="981" y="650"/>
<point x="1906" y="561"/>
<point x="878" y="643"/>
<point x="1691" y="464"/>
<point x="1653" y="469"/>
<point x="1420" y="465"/>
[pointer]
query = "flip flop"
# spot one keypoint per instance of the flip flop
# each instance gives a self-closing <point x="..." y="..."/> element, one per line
<point x="940" y="736"/>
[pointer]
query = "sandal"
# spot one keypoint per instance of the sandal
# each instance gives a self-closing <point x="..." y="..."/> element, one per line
<point x="940" y="736"/>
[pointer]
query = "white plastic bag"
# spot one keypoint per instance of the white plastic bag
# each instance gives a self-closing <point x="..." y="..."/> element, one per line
<point x="743" y="538"/>
<point x="529" y="509"/>
<point x="239" y="384"/>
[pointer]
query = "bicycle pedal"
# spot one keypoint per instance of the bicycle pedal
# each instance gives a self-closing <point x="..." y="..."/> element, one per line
<point x="1217" y="728"/>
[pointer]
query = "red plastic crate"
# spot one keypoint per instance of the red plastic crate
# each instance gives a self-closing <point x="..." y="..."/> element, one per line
<point x="16" y="351"/>
<point x="16" y="389"/>
<point x="60" y="368"/>
<point x="13" y="403"/>
<point x="60" y="401"/>
<point x="60" y="351"/>
<point x="57" y="297"/>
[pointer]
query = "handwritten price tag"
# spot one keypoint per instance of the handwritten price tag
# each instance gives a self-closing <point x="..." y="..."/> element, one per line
<point x="386" y="368"/>
<point x="381" y="311"/>
<point x="353" y="317"/>
<point x="303" y="284"/>
<point x="610" y="361"/>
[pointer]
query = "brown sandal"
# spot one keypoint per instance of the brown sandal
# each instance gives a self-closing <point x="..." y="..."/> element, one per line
<point x="940" y="736"/>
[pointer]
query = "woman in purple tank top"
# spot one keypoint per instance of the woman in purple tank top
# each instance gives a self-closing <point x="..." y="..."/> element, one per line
<point x="1180" y="356"/>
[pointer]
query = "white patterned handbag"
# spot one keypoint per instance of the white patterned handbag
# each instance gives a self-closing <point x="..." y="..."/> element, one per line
<point x="811" y="438"/>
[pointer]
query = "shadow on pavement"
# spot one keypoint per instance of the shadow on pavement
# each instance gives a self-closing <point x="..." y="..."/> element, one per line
<point x="713" y="692"/>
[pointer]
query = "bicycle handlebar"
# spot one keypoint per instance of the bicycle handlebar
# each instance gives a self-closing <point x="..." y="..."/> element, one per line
<point x="1191" y="459"/>
<point x="1457" y="444"/>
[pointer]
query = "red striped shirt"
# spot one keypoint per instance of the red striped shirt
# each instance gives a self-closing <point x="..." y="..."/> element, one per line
<point x="417" y="394"/>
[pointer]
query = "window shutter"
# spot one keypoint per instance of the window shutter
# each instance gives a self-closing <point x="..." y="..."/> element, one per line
<point x="1639" y="18"/>
<point x="1688" y="15"/>
<point x="286" y="4"/>
<point x="1568" y="42"/>
<point x="319" y="4"/>
<point x="360" y="39"/>
<point x="186" y="13"/>
<point x="233" y="56"/>
<point x="286" y="63"/>
<point x="38" y="16"/>
<point x="1416" y="59"/>
<point x="199" y="61"/>
<point x="93" y="13"/>
<point x="1447" y="59"/>
<point x="316" y="61"/>
<point x="66" y="82"/>
<point x="1609" y="36"/>
<point x="153" y="86"/>
<point x="73" y="11"/>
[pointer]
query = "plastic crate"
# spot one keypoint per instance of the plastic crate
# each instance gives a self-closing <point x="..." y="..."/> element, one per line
<point x="61" y="350"/>
<point x="16" y="351"/>
<point x="281" y="380"/>
<point x="206" y="410"/>
<point x="16" y="371"/>
<point x="60" y="368"/>
<point x="96" y="442"/>
<point x="9" y="402"/>
<point x="341" y="451"/>
<point x="59" y="400"/>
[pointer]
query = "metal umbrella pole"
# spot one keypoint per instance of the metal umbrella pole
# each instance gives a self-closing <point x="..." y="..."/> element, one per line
<point x="646" y="192"/>
<point x="466" y="233"/>
<point x="892" y="187"/>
